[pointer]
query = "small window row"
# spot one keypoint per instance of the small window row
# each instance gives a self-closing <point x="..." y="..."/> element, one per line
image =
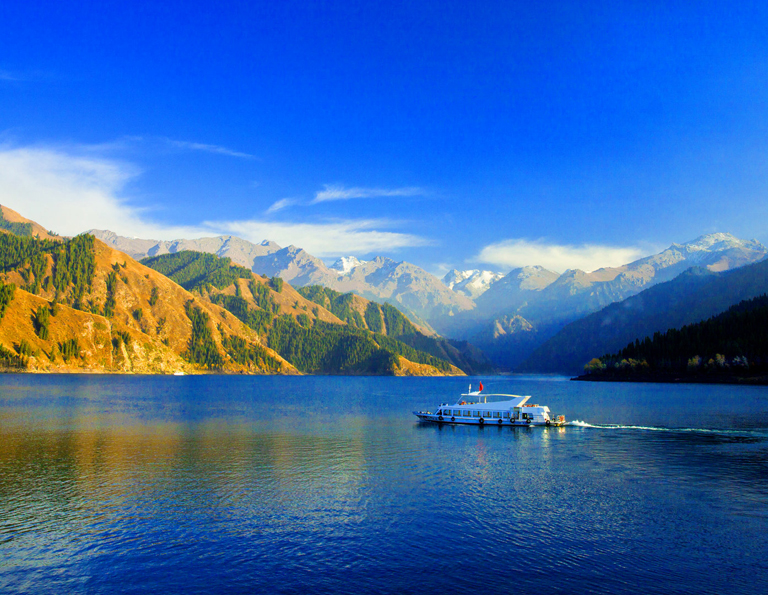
<point x="470" y="413"/>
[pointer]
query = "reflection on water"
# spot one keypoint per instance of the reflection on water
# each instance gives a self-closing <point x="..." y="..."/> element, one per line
<point x="228" y="485"/>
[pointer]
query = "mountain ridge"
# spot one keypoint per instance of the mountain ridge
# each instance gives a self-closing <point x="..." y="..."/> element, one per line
<point x="403" y="284"/>
<point x="693" y="296"/>
<point x="77" y="304"/>
<point x="546" y="301"/>
<point x="575" y="293"/>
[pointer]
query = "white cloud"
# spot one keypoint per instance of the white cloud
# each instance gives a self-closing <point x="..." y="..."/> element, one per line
<point x="130" y="143"/>
<point x="338" y="192"/>
<point x="208" y="148"/>
<point x="351" y="236"/>
<point x="281" y="204"/>
<point x="70" y="194"/>
<point x="587" y="257"/>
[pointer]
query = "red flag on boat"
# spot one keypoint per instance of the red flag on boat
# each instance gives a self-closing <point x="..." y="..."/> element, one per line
<point x="481" y="388"/>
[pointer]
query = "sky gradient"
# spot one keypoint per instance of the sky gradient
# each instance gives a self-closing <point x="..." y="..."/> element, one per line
<point x="452" y="134"/>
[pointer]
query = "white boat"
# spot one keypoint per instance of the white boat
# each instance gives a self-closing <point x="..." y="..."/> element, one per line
<point x="503" y="410"/>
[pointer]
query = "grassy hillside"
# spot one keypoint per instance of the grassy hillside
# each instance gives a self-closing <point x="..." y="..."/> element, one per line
<point x="12" y="222"/>
<point x="693" y="296"/>
<point x="79" y="305"/>
<point x="304" y="332"/>
<point x="387" y="320"/>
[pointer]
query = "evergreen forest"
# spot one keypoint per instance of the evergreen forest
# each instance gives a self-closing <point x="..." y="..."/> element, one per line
<point x="197" y="270"/>
<point x="67" y="267"/>
<point x="19" y="229"/>
<point x="386" y="319"/>
<point x="731" y="344"/>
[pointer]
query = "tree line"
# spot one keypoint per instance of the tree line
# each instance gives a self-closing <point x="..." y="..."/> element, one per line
<point x="734" y="342"/>
<point x="339" y="304"/>
<point x="196" y="270"/>
<point x="73" y="264"/>
<point x="16" y="228"/>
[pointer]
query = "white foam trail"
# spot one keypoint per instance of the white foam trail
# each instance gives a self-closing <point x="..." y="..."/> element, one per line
<point x="584" y="424"/>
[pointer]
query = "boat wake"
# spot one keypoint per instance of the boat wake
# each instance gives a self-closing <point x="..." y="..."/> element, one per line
<point x="747" y="433"/>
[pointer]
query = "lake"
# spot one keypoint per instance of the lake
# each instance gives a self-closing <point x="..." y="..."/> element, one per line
<point x="223" y="484"/>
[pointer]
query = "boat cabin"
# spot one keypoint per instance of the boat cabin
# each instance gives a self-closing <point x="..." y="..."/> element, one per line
<point x="512" y="409"/>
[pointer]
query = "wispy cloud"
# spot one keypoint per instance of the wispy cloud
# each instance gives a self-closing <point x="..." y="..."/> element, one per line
<point x="70" y="194"/>
<point x="207" y="148"/>
<point x="337" y="192"/>
<point x="281" y="204"/>
<point x="328" y="238"/>
<point x="10" y="76"/>
<point x="515" y="253"/>
<point x="29" y="76"/>
<point x="130" y="142"/>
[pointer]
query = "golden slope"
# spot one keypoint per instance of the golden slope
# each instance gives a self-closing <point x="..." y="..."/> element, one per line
<point x="38" y="230"/>
<point x="408" y="368"/>
<point x="166" y="320"/>
<point x="158" y="334"/>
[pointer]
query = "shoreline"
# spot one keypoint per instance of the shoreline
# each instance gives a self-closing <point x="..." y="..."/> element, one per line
<point x="667" y="378"/>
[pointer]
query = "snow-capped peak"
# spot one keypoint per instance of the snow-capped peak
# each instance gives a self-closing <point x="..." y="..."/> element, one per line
<point x="455" y="276"/>
<point x="471" y="282"/>
<point x="716" y="241"/>
<point x="346" y="263"/>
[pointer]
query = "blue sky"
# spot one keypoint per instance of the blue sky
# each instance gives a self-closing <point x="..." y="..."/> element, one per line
<point x="450" y="134"/>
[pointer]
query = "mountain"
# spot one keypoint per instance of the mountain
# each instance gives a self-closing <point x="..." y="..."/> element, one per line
<point x="238" y="250"/>
<point x="515" y="290"/>
<point x="340" y="335"/>
<point x="402" y="284"/>
<point x="540" y="296"/>
<point x="12" y="222"/>
<point x="537" y="301"/>
<point x="387" y="320"/>
<point x="694" y="295"/>
<point x="79" y="305"/>
<point x="76" y="304"/>
<point x="547" y="302"/>
<point x="471" y="283"/>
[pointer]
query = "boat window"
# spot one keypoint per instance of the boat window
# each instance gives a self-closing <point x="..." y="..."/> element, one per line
<point x="497" y="414"/>
<point x="506" y="414"/>
<point x="476" y="414"/>
<point x="467" y="413"/>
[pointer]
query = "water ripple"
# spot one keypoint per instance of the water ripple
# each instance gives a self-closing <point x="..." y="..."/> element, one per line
<point x="191" y="500"/>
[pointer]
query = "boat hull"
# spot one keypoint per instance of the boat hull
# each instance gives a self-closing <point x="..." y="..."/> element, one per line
<point x="473" y="421"/>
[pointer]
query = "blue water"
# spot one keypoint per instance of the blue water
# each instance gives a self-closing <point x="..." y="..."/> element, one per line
<point x="329" y="485"/>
